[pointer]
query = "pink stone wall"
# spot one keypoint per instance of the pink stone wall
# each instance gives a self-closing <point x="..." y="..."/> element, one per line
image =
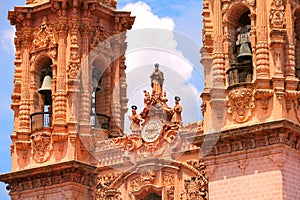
<point x="259" y="180"/>
<point x="291" y="176"/>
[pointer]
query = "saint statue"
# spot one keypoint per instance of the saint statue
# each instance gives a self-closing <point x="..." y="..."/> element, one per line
<point x="157" y="80"/>
<point x="176" y="118"/>
<point x="135" y="121"/>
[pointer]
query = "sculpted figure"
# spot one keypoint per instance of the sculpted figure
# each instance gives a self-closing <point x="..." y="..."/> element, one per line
<point x="157" y="80"/>
<point x="176" y="119"/>
<point x="135" y="121"/>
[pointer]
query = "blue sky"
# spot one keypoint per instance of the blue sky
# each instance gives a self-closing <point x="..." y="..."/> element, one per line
<point x="184" y="18"/>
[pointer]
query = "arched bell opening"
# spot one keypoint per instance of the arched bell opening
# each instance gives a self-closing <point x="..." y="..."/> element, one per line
<point x="239" y="26"/>
<point x="100" y="118"/>
<point x="297" y="41"/>
<point x="41" y="118"/>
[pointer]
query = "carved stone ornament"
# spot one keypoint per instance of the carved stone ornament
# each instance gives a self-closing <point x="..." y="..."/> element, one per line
<point x="277" y="15"/>
<point x="251" y="2"/>
<point x="41" y="146"/>
<point x="44" y="37"/>
<point x="103" y="187"/>
<point x="196" y="188"/>
<point x="291" y="101"/>
<point x="23" y="148"/>
<point x="240" y="104"/>
<point x="60" y="138"/>
<point x="100" y="37"/>
<point x="242" y="164"/>
<point x="169" y="178"/>
<point x="136" y="146"/>
<point x="263" y="95"/>
<point x="170" y="192"/>
<point x="73" y="71"/>
<point x="146" y="177"/>
<point x="199" y="165"/>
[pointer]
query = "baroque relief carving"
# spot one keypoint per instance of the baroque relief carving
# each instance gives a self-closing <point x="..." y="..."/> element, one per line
<point x="242" y="164"/>
<point x="147" y="176"/>
<point x="291" y="97"/>
<point x="263" y="95"/>
<point x="169" y="178"/>
<point x="198" y="165"/>
<point x="44" y="37"/>
<point x="277" y="15"/>
<point x="23" y="147"/>
<point x="41" y="146"/>
<point x="240" y="104"/>
<point x="196" y="187"/>
<point x="103" y="187"/>
<point x="170" y="192"/>
<point x="60" y="138"/>
<point x="100" y="37"/>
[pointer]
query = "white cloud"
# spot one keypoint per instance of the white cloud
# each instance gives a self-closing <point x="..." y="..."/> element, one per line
<point x="150" y="41"/>
<point x="146" y="19"/>
<point x="7" y="40"/>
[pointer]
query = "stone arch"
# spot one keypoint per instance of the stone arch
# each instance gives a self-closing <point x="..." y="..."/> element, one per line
<point x="148" y="191"/>
<point x="101" y="80"/>
<point x="158" y="176"/>
<point x="237" y="29"/>
<point x="235" y="16"/>
<point x="235" y="11"/>
<point x="41" y="64"/>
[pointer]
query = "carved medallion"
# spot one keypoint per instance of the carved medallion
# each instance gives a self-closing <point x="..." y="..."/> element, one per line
<point x="241" y="104"/>
<point x="41" y="146"/>
<point x="151" y="130"/>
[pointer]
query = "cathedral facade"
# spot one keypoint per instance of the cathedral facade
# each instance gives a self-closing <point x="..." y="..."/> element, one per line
<point x="69" y="101"/>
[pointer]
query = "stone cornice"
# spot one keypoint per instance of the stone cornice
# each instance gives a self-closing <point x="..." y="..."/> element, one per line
<point x="252" y="137"/>
<point x="72" y="171"/>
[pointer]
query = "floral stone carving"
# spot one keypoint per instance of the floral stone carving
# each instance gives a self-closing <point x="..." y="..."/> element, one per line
<point x="196" y="187"/>
<point x="41" y="146"/>
<point x="100" y="37"/>
<point x="240" y="104"/>
<point x="104" y="190"/>
<point x="44" y="37"/>
<point x="170" y="192"/>
<point x="169" y="181"/>
<point x="277" y="15"/>
<point x="146" y="177"/>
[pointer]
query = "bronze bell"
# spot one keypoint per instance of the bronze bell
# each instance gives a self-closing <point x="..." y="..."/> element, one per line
<point x="245" y="52"/>
<point x="45" y="90"/>
<point x="95" y="83"/>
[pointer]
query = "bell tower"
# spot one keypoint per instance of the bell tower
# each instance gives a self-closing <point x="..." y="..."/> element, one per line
<point x="69" y="89"/>
<point x="251" y="100"/>
<point x="250" y="60"/>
